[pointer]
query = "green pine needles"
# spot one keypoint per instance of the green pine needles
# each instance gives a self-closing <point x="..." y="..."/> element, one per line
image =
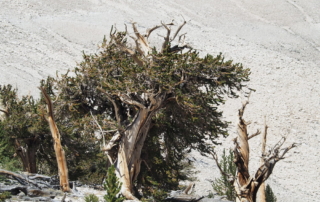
<point x="270" y="197"/>
<point x="91" y="198"/>
<point x="222" y="185"/>
<point x="5" y="195"/>
<point x="112" y="186"/>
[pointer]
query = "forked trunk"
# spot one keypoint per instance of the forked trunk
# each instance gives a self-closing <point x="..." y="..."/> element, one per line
<point x="247" y="186"/>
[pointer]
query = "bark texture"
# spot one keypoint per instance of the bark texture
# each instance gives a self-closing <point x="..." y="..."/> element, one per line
<point x="124" y="149"/>
<point x="130" y="143"/>
<point x="247" y="186"/>
<point x="262" y="188"/>
<point x="60" y="154"/>
<point x="27" y="153"/>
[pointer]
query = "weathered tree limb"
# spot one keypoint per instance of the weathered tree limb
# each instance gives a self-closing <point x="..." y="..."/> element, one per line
<point x="166" y="42"/>
<point x="26" y="180"/>
<point x="149" y="31"/>
<point x="245" y="185"/>
<point x="60" y="154"/>
<point x="126" y="99"/>
<point x="189" y="188"/>
<point x="178" y="30"/>
<point x="262" y="191"/>
<point x="5" y="111"/>
<point x="115" y="106"/>
<point x="215" y="157"/>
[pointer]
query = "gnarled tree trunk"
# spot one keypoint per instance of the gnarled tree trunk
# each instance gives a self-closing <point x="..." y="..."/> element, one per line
<point x="247" y="186"/>
<point x="131" y="141"/>
<point x="27" y="153"/>
<point x="60" y="154"/>
<point x="124" y="149"/>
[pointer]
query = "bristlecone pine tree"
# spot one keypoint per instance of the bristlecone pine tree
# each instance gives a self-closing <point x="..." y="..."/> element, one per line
<point x="26" y="135"/>
<point x="112" y="186"/>
<point x="152" y="105"/>
<point x="24" y="127"/>
<point x="247" y="186"/>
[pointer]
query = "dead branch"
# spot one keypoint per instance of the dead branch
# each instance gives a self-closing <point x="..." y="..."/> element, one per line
<point x="5" y="111"/>
<point x="166" y="38"/>
<point x="149" y="31"/>
<point x="215" y="157"/>
<point x="25" y="180"/>
<point x="126" y="99"/>
<point x="255" y="134"/>
<point x="245" y="185"/>
<point x="189" y="187"/>
<point x="178" y="30"/>
<point x="142" y="41"/>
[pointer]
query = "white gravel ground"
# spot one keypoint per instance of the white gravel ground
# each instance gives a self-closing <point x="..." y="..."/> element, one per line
<point x="278" y="40"/>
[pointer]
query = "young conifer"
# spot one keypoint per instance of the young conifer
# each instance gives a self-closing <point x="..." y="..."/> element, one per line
<point x="112" y="186"/>
<point x="270" y="197"/>
<point x="222" y="185"/>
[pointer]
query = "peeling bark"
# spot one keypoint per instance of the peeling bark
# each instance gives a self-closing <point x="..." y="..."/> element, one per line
<point x="124" y="148"/>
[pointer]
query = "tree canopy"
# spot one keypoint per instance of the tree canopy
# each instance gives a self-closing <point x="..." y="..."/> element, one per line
<point x="179" y="91"/>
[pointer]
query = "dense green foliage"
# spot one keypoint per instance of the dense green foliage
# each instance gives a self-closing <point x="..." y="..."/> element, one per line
<point x="91" y="198"/>
<point x="223" y="186"/>
<point x="112" y="186"/>
<point x="5" y="195"/>
<point x="25" y="129"/>
<point x="270" y="197"/>
<point x="7" y="161"/>
<point x="25" y="133"/>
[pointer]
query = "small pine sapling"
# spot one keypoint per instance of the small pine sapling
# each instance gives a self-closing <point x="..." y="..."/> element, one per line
<point x="270" y="197"/>
<point x="112" y="186"/>
<point x="91" y="198"/>
<point x="222" y="185"/>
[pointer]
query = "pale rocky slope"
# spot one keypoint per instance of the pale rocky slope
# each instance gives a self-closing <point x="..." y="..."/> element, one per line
<point x="278" y="40"/>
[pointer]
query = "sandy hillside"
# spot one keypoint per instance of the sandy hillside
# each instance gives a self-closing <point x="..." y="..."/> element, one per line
<point x="279" y="41"/>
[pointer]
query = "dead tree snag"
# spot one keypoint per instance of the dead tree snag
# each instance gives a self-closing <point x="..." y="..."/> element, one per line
<point x="60" y="154"/>
<point x="247" y="186"/>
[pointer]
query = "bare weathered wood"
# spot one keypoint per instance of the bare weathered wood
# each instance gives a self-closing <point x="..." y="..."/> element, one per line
<point x="59" y="151"/>
<point x="27" y="179"/>
<point x="247" y="186"/>
<point x="262" y="191"/>
<point x="124" y="149"/>
<point x="184" y="198"/>
<point x="189" y="188"/>
<point x="14" y="190"/>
